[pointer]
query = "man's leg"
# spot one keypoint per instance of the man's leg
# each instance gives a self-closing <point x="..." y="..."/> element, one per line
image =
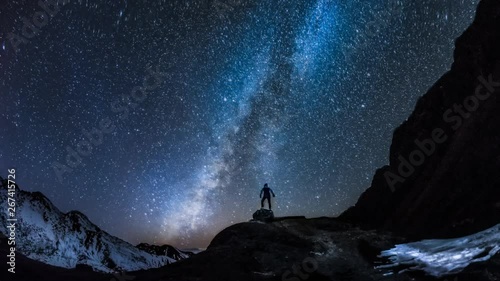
<point x="268" y="201"/>
<point x="262" y="202"/>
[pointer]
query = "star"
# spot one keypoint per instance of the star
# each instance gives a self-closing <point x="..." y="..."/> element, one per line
<point x="176" y="113"/>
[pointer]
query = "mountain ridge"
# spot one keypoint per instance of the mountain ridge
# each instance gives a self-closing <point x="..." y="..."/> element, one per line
<point x="46" y="234"/>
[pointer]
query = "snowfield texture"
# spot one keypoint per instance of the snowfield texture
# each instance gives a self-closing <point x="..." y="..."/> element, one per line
<point x="440" y="257"/>
<point x="46" y="234"/>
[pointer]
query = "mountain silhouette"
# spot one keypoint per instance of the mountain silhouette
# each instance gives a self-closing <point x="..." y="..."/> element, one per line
<point x="443" y="176"/>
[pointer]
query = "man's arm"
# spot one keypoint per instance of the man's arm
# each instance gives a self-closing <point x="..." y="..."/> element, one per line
<point x="262" y="190"/>
<point x="272" y="192"/>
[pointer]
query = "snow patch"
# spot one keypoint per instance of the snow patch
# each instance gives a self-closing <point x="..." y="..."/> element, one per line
<point x="440" y="257"/>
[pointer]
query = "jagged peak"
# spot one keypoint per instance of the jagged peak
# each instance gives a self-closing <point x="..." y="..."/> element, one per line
<point x="4" y="184"/>
<point x="75" y="213"/>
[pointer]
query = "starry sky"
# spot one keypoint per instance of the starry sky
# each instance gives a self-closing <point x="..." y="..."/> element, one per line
<point x="161" y="120"/>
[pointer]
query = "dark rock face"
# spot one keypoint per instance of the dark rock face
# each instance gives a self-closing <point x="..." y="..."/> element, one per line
<point x="449" y="185"/>
<point x="263" y="215"/>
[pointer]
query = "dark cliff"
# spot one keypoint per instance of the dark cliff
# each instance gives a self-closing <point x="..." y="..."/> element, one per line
<point x="449" y="182"/>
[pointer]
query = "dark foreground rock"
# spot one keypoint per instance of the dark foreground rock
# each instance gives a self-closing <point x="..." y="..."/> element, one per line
<point x="299" y="249"/>
<point x="316" y="249"/>
<point x="454" y="191"/>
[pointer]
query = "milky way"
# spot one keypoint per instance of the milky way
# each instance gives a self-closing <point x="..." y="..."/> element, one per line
<point x="303" y="95"/>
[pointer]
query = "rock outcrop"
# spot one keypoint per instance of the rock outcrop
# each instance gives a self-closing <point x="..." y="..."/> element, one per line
<point x="289" y="249"/>
<point x="320" y="249"/>
<point x="444" y="174"/>
<point x="263" y="215"/>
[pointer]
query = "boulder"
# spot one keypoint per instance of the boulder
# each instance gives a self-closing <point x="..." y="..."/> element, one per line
<point x="264" y="215"/>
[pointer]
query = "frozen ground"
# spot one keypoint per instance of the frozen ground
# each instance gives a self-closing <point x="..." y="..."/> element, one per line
<point x="440" y="257"/>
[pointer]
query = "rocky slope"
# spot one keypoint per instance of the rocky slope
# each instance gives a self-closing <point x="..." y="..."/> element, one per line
<point x="165" y="250"/>
<point x="45" y="234"/>
<point x="28" y="270"/>
<point x="287" y="249"/>
<point x="443" y="176"/>
<point x="294" y="249"/>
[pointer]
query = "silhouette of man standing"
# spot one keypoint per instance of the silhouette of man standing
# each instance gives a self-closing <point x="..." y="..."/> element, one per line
<point x="267" y="195"/>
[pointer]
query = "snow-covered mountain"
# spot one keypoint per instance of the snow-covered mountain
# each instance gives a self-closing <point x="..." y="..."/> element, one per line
<point x="66" y="240"/>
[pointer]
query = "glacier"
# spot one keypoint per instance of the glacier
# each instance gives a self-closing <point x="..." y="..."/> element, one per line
<point x="441" y="257"/>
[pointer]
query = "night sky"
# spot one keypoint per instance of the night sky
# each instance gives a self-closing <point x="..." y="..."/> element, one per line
<point x="200" y="103"/>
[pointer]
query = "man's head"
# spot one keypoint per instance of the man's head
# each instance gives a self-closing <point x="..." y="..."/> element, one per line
<point x="265" y="185"/>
